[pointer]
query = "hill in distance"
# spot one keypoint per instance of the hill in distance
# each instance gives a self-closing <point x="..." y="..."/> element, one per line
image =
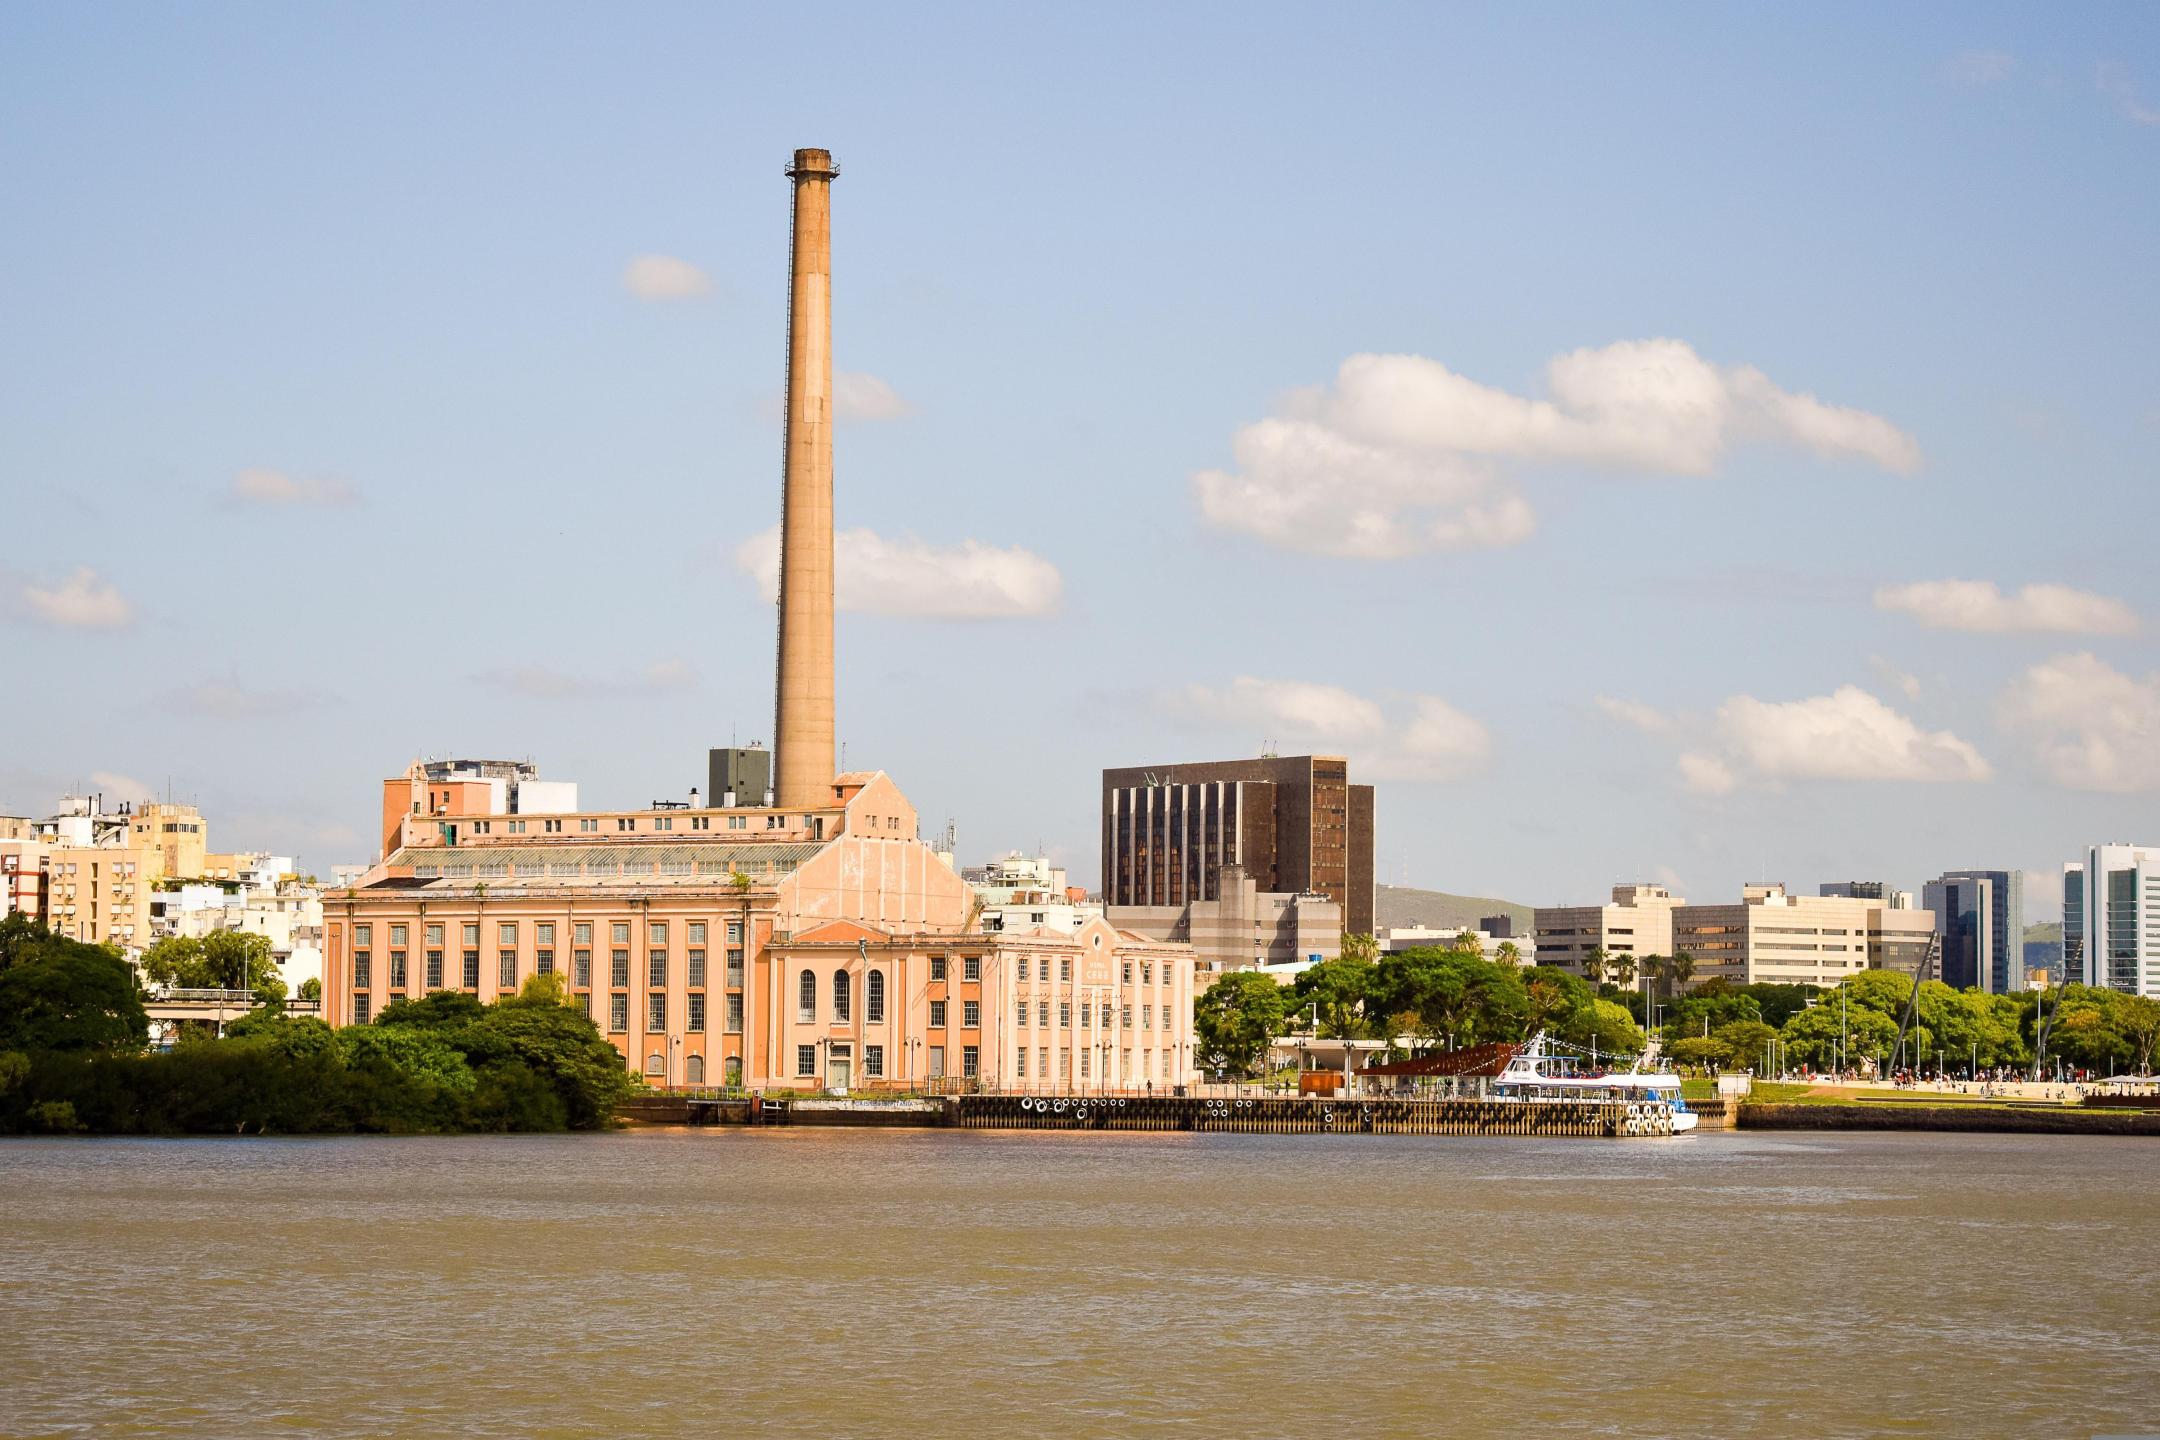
<point x="1403" y="905"/>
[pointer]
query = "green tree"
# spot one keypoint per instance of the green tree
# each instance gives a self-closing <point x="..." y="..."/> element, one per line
<point x="1623" y="969"/>
<point x="1811" y="1036"/>
<point x="1338" y="988"/>
<point x="221" y="960"/>
<point x="1595" y="964"/>
<point x="1741" y="1042"/>
<point x="546" y="989"/>
<point x="1683" y="969"/>
<point x="436" y="1010"/>
<point x="1553" y="994"/>
<point x="1458" y="999"/>
<point x="1508" y="953"/>
<point x="311" y="989"/>
<point x="1604" y="1025"/>
<point x="61" y="995"/>
<point x="1237" y="1019"/>
<point x="2138" y="1018"/>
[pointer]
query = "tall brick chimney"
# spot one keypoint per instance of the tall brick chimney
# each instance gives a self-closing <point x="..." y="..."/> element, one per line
<point x="803" y="717"/>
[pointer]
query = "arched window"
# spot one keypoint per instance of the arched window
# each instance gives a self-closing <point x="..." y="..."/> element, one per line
<point x="732" y="1070"/>
<point x="874" y="997"/>
<point x="840" y="996"/>
<point x="694" y="1070"/>
<point x="806" y="998"/>
<point x="656" y="1064"/>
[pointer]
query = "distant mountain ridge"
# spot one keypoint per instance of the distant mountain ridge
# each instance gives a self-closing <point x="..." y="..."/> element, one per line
<point x="1397" y="906"/>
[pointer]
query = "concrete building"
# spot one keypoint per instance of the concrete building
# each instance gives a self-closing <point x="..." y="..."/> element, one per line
<point x="1293" y="824"/>
<point x="437" y="794"/>
<point x="1980" y="915"/>
<point x="739" y="775"/>
<point x="1243" y="927"/>
<point x="1638" y="922"/>
<point x="1773" y="937"/>
<point x="2111" y="918"/>
<point x="1093" y="1009"/>
<point x="1021" y="893"/>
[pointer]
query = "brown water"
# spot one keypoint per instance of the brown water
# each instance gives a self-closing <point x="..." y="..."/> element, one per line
<point x="721" y="1282"/>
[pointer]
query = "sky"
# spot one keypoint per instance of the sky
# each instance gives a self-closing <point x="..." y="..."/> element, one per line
<point x="1696" y="444"/>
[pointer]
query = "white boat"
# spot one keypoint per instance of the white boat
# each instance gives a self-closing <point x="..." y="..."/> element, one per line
<point x="1536" y="1073"/>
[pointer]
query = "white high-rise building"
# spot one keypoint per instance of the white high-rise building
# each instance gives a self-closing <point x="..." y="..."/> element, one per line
<point x="2111" y="918"/>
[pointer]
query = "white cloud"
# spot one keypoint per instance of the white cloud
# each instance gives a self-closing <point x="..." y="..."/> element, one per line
<point x="1979" y="605"/>
<point x="663" y="277"/>
<point x="545" y="682"/>
<point x="2091" y="726"/>
<point x="1978" y="69"/>
<point x="1702" y="774"/>
<point x="857" y="396"/>
<point x="1845" y="735"/>
<point x="1416" y="737"/>
<point x="2115" y="83"/>
<point x="275" y="487"/>
<point x="1646" y="718"/>
<point x="876" y="576"/>
<point x="1400" y="455"/>
<point x="80" y="602"/>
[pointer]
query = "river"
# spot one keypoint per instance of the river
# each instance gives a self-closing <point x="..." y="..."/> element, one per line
<point x="715" y="1282"/>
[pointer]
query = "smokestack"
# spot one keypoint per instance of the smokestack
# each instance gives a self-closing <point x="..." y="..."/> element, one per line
<point x="803" y="719"/>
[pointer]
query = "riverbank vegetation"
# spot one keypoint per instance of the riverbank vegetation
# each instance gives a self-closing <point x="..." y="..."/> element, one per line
<point x="1413" y="1001"/>
<point x="1450" y="997"/>
<point x="73" y="1058"/>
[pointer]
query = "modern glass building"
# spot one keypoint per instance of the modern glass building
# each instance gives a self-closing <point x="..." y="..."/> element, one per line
<point x="2111" y="918"/>
<point x="1981" y="916"/>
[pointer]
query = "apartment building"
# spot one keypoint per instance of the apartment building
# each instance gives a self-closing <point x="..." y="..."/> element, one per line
<point x="1775" y="937"/>
<point x="2111" y="918"/>
<point x="1638" y="922"/>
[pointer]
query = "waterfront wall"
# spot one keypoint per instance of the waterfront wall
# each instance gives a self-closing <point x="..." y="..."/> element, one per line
<point x="1257" y="1116"/>
<point x="1975" y="1119"/>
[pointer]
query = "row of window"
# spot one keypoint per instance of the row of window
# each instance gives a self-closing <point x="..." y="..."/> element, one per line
<point x="843" y="998"/>
<point x="1125" y="1068"/>
<point x="506" y="932"/>
<point x="1090" y="1015"/>
<point x="657" y="969"/>
<point x="618" y="1012"/>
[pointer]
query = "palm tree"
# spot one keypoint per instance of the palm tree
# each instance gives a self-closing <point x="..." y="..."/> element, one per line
<point x="1683" y="968"/>
<point x="1508" y="954"/>
<point x="1593" y="965"/>
<point x="1653" y="968"/>
<point x="1623" y="969"/>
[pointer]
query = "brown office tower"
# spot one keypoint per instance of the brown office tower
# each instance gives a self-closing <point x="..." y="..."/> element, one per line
<point x="803" y="710"/>
<point x="1295" y="823"/>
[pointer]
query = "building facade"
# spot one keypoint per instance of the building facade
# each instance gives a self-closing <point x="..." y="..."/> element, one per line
<point x="1243" y="927"/>
<point x="1773" y="937"/>
<point x="1980" y="915"/>
<point x="2111" y="918"/>
<point x="1294" y="824"/>
<point x="864" y="1007"/>
<point x="1638" y="922"/>
<point x="686" y="936"/>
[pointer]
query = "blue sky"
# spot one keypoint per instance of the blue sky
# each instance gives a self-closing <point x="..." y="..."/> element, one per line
<point x="320" y="354"/>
